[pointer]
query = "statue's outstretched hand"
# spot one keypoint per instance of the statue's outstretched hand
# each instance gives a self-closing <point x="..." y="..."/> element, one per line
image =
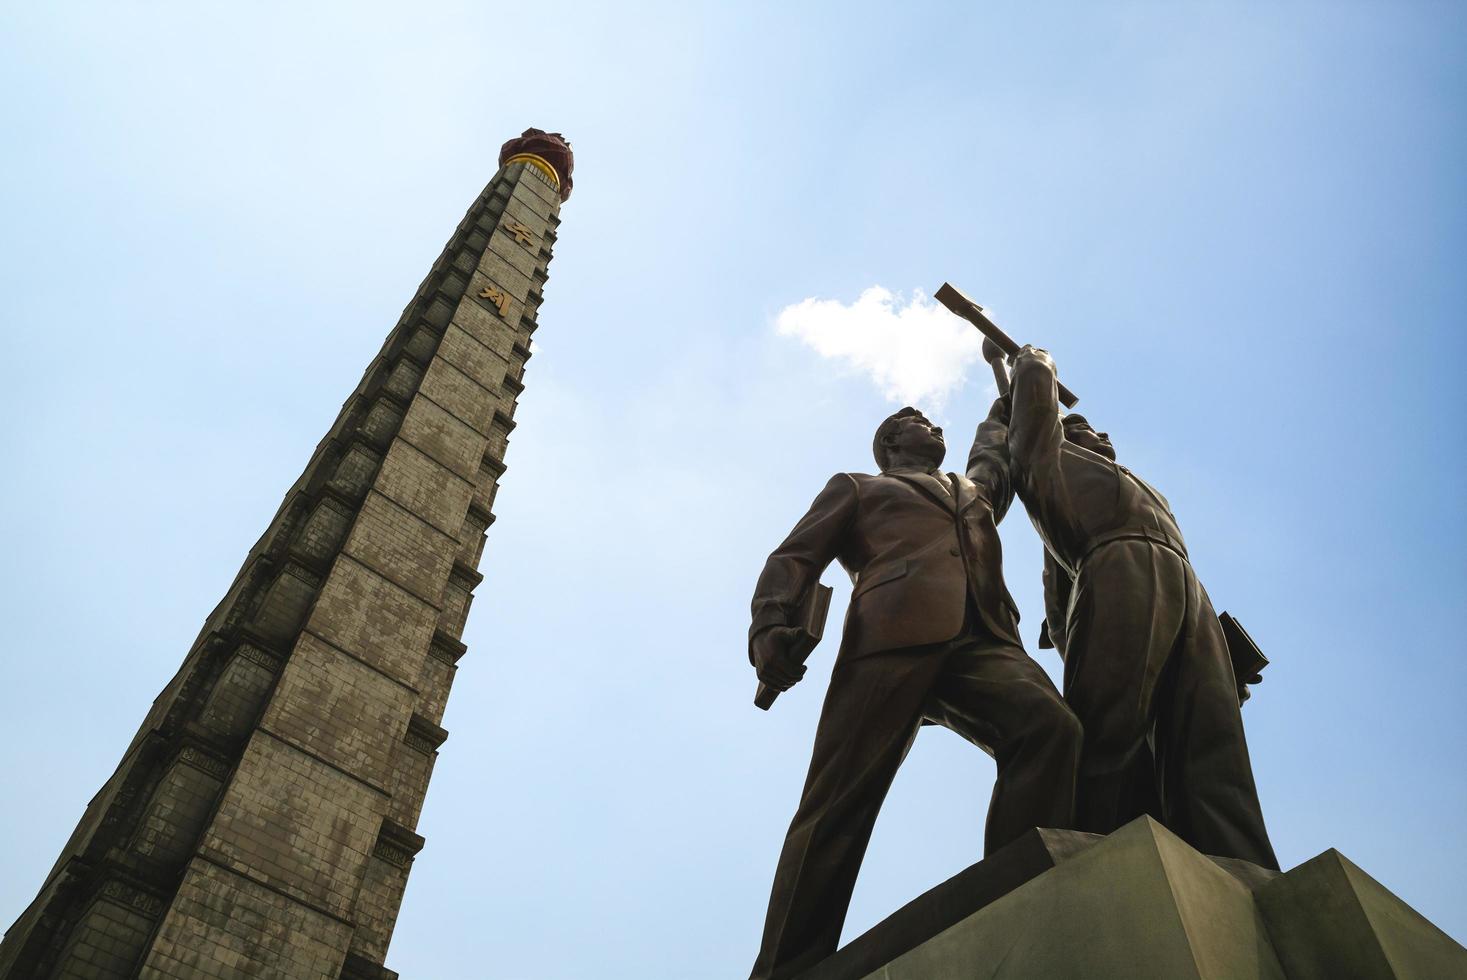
<point x="770" y="651"/>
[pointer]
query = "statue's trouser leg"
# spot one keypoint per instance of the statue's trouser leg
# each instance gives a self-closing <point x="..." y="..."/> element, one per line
<point x="1208" y="794"/>
<point x="1125" y="616"/>
<point x="993" y="694"/>
<point x="870" y="717"/>
<point x="1147" y="672"/>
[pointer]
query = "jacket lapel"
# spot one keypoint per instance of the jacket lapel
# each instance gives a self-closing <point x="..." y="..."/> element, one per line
<point x="967" y="491"/>
<point x="930" y="488"/>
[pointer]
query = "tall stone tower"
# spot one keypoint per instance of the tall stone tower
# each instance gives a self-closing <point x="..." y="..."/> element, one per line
<point x="262" y="822"/>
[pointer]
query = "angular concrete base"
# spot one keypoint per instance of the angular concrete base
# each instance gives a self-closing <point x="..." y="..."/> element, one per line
<point x="1143" y="904"/>
<point x="1329" y="919"/>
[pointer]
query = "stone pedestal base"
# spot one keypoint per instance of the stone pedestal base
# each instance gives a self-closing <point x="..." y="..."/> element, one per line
<point x="1143" y="904"/>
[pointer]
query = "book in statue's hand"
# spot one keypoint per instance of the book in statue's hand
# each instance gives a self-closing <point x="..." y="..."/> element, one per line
<point x="1248" y="660"/>
<point x="809" y="625"/>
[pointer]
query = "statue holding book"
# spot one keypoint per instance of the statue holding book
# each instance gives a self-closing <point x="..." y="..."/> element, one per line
<point x="1147" y="667"/>
<point x="931" y="637"/>
<point x="1153" y="677"/>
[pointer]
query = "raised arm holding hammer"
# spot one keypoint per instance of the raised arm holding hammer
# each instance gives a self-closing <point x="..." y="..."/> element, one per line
<point x="994" y="338"/>
<point x="1147" y="665"/>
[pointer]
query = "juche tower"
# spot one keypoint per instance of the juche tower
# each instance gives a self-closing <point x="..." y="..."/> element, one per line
<point x="263" y="821"/>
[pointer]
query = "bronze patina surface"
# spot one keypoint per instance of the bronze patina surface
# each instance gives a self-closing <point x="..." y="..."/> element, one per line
<point x="1147" y="668"/>
<point x="932" y="636"/>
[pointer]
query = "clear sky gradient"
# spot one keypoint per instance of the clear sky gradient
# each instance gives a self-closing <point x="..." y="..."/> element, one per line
<point x="1238" y="227"/>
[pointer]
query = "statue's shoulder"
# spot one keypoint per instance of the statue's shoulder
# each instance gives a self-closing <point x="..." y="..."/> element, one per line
<point x="845" y="482"/>
<point x="874" y="485"/>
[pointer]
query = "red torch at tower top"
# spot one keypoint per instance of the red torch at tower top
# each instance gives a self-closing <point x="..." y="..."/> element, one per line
<point x="550" y="153"/>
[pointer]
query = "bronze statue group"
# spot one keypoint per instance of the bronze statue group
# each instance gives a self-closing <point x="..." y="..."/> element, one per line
<point x="1149" y="721"/>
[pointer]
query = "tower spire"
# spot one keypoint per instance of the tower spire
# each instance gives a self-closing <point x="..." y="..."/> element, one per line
<point x="263" y="820"/>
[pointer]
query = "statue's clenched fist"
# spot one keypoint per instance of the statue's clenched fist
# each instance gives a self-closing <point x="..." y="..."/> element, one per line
<point x="770" y="652"/>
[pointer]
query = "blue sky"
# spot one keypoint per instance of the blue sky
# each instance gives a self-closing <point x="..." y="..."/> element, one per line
<point x="1239" y="227"/>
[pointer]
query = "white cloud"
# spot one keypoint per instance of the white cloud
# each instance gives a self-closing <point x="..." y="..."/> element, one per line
<point x="916" y="352"/>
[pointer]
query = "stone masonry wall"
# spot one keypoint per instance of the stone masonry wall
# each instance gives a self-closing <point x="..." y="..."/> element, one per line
<point x="263" y="821"/>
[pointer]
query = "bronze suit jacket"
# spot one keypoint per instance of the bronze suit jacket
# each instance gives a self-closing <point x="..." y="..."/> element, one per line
<point x="1076" y="498"/>
<point x="914" y="552"/>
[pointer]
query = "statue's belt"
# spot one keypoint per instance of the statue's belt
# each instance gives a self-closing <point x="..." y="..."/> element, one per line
<point x="1151" y="534"/>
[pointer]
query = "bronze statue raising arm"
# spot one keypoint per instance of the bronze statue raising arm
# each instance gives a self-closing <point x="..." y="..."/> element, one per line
<point x="988" y="460"/>
<point x="1035" y="432"/>
<point x="1147" y="666"/>
<point x="930" y="636"/>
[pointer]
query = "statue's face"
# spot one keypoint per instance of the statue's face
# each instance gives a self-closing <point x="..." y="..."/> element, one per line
<point x="916" y="436"/>
<point x="1087" y="438"/>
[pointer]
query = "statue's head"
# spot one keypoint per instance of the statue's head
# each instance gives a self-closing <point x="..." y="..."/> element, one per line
<point x="909" y="435"/>
<point x="1079" y="431"/>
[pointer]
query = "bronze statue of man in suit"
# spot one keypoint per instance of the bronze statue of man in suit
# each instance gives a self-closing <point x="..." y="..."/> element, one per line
<point x="1146" y="664"/>
<point x="931" y="636"/>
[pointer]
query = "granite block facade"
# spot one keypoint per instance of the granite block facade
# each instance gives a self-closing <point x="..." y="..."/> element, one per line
<point x="263" y="821"/>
